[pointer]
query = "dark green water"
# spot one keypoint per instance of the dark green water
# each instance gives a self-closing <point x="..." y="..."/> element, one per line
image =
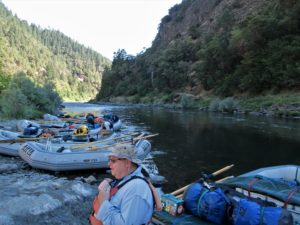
<point x="191" y="142"/>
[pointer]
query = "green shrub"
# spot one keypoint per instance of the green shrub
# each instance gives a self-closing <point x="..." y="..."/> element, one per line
<point x="187" y="101"/>
<point x="146" y="99"/>
<point x="133" y="99"/>
<point x="24" y="99"/>
<point x="167" y="98"/>
<point x="14" y="104"/>
<point x="214" y="105"/>
<point x="119" y="99"/>
<point x="225" y="105"/>
<point x="228" y="105"/>
<point x="293" y="113"/>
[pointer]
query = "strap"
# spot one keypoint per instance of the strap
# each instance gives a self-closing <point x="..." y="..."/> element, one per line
<point x="262" y="212"/>
<point x="200" y="199"/>
<point x="296" y="176"/>
<point x="250" y="185"/>
<point x="290" y="197"/>
<point x="131" y="178"/>
<point x="114" y="190"/>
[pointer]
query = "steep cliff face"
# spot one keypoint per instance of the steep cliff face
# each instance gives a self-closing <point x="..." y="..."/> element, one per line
<point x="204" y="17"/>
<point x="215" y="48"/>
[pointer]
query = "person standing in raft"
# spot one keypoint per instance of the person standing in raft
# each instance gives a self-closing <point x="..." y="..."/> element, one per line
<point x="129" y="198"/>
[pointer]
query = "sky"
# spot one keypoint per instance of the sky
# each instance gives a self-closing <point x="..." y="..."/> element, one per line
<point x="103" y="25"/>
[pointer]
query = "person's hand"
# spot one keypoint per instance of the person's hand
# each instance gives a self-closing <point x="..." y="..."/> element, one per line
<point x="103" y="195"/>
<point x="104" y="190"/>
<point x="104" y="185"/>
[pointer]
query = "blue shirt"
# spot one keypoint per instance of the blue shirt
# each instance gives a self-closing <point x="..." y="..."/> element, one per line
<point x="131" y="205"/>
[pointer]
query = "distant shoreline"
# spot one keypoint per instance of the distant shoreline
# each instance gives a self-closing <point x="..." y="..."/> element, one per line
<point x="247" y="107"/>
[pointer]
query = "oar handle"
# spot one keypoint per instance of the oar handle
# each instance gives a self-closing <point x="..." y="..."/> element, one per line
<point x="222" y="170"/>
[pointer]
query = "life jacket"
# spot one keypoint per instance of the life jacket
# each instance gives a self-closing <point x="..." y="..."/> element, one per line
<point x="113" y="191"/>
<point x="98" y="120"/>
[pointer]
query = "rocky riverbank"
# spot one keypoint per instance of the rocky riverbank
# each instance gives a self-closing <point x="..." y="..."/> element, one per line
<point x="32" y="197"/>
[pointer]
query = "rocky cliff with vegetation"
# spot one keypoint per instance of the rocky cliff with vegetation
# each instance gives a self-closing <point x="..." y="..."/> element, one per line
<point x="40" y="67"/>
<point x="209" y="49"/>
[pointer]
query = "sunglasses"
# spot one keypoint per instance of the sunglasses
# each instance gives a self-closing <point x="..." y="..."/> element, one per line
<point x="115" y="160"/>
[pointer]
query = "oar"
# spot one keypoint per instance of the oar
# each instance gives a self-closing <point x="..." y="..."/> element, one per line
<point x="80" y="135"/>
<point x="72" y="119"/>
<point x="123" y="142"/>
<point x="218" y="181"/>
<point x="225" y="178"/>
<point x="178" y="191"/>
<point x="48" y="121"/>
<point x="65" y="130"/>
<point x="105" y="132"/>
<point x="156" y="197"/>
<point x="141" y="135"/>
<point x="96" y="142"/>
<point x="21" y="140"/>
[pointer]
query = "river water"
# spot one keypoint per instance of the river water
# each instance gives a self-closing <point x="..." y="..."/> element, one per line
<point x="192" y="142"/>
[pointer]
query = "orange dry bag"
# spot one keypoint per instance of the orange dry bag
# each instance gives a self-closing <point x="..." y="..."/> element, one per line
<point x="93" y="219"/>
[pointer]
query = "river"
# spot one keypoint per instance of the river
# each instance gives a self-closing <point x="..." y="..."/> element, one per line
<point x="192" y="142"/>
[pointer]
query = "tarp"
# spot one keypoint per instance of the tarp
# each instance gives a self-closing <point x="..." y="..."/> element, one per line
<point x="266" y="186"/>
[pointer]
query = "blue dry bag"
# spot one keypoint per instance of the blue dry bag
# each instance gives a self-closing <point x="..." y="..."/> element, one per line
<point x="209" y="204"/>
<point x="248" y="212"/>
<point x="30" y="130"/>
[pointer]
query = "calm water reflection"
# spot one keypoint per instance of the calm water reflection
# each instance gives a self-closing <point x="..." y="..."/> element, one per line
<point x="190" y="142"/>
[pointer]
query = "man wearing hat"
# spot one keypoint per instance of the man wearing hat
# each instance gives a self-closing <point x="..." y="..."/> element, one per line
<point x="128" y="198"/>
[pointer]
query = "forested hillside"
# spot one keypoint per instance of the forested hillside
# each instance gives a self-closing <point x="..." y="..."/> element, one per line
<point x="48" y="57"/>
<point x="214" y="48"/>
